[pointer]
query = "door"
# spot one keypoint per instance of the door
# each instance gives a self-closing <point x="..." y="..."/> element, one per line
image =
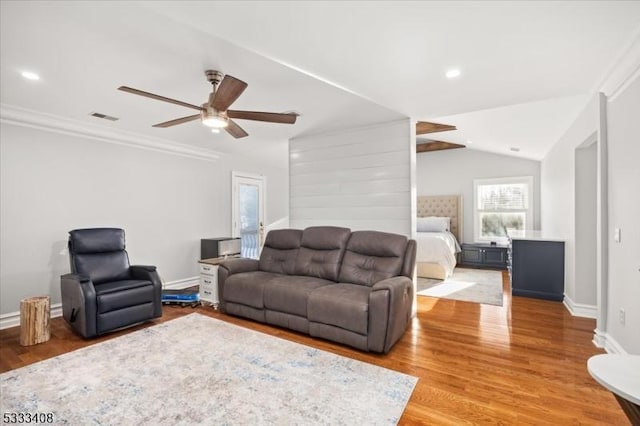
<point x="247" y="214"/>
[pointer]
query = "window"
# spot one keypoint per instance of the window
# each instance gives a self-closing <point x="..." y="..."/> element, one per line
<point x="501" y="205"/>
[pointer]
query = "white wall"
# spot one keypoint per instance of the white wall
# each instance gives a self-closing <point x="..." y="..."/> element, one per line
<point x="453" y="171"/>
<point x="558" y="193"/>
<point x="357" y="178"/>
<point x="624" y="213"/>
<point x="52" y="183"/>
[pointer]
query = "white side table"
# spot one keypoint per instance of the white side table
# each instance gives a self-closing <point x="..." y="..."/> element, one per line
<point x="620" y="374"/>
<point x="209" y="280"/>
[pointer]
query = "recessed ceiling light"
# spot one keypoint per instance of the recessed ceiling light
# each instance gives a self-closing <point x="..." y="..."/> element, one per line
<point x="469" y="142"/>
<point x="215" y="130"/>
<point x="453" y="73"/>
<point x="30" y="75"/>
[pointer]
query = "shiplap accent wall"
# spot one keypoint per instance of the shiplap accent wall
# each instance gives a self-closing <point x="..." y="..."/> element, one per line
<point x="358" y="178"/>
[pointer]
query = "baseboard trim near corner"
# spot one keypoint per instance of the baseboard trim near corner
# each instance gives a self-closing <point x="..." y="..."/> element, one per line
<point x="607" y="342"/>
<point x="12" y="319"/>
<point x="579" y="309"/>
<point x="180" y="284"/>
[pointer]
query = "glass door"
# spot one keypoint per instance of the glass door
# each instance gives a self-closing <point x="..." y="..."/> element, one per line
<point x="248" y="220"/>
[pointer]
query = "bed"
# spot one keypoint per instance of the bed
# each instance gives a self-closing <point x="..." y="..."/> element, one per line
<point x="436" y="254"/>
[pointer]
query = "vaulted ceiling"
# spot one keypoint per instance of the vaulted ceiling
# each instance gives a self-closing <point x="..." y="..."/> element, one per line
<point x="527" y="68"/>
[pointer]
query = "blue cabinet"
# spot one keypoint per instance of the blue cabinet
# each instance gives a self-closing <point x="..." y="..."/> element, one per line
<point x="537" y="268"/>
<point x="484" y="256"/>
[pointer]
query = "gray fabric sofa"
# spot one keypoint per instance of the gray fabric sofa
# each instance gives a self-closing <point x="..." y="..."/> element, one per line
<point x="354" y="288"/>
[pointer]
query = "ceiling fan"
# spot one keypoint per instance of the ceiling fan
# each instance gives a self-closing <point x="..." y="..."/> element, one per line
<point x="215" y="113"/>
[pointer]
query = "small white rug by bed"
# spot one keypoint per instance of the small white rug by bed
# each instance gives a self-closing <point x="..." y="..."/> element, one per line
<point x="199" y="370"/>
<point x="469" y="285"/>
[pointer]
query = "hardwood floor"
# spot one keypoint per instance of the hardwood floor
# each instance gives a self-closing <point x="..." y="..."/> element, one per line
<point x="522" y="363"/>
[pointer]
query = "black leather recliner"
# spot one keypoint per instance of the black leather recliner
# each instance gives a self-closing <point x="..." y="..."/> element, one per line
<point x="103" y="292"/>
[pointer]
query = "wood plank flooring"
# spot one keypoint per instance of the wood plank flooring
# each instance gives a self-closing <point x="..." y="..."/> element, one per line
<point x="519" y="364"/>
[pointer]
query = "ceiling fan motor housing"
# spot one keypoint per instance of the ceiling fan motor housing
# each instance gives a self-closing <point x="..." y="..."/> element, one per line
<point x="214" y="77"/>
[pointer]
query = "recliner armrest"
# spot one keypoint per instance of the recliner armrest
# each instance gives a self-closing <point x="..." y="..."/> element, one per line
<point x="148" y="268"/>
<point x="79" y="303"/>
<point x="237" y="266"/>
<point x="76" y="277"/>
<point x="149" y="273"/>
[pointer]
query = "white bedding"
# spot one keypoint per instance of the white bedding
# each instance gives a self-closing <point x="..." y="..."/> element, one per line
<point x="437" y="247"/>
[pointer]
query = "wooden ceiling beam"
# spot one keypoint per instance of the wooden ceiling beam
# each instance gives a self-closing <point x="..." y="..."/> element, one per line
<point x="424" y="127"/>
<point x="437" y="146"/>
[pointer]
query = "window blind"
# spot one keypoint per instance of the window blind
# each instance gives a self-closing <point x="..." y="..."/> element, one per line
<point x="511" y="196"/>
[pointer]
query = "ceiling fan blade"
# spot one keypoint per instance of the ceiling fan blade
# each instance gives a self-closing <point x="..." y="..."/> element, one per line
<point x="158" y="97"/>
<point x="271" y="117"/>
<point x="177" y="121"/>
<point x="236" y="131"/>
<point x="229" y="90"/>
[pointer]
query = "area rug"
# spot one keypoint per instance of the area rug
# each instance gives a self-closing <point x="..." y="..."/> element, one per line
<point x="468" y="285"/>
<point x="199" y="370"/>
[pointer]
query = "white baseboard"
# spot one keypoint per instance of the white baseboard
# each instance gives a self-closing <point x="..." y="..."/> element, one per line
<point x="183" y="283"/>
<point x="579" y="309"/>
<point x="12" y="319"/>
<point x="607" y="342"/>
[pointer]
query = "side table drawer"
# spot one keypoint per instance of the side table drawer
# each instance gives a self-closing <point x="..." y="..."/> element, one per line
<point x="209" y="289"/>
<point x="208" y="269"/>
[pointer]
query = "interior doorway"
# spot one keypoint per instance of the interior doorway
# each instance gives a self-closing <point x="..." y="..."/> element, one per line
<point x="247" y="211"/>
<point x="586" y="222"/>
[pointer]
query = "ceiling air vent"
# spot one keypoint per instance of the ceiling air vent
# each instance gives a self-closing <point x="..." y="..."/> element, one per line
<point x="104" y="116"/>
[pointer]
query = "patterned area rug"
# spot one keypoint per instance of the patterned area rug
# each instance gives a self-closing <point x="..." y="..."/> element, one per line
<point x="468" y="285"/>
<point x="199" y="370"/>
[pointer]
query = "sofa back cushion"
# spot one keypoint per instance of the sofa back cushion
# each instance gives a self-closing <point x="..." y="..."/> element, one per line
<point x="321" y="251"/>
<point x="372" y="256"/>
<point x="280" y="251"/>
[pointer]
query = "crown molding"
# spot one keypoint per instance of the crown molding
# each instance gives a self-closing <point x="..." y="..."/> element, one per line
<point x="624" y="70"/>
<point x="23" y="117"/>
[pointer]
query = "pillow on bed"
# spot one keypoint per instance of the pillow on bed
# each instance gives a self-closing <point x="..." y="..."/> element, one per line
<point x="434" y="224"/>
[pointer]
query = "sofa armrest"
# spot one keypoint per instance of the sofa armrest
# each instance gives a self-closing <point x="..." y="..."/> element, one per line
<point x="230" y="267"/>
<point x="79" y="303"/>
<point x="390" y="303"/>
<point x="149" y="273"/>
<point x="237" y="266"/>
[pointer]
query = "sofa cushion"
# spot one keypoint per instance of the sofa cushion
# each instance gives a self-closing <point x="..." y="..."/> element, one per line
<point x="321" y="251"/>
<point x="247" y="288"/>
<point x="289" y="293"/>
<point x="280" y="251"/>
<point x="341" y="305"/>
<point x="372" y="256"/>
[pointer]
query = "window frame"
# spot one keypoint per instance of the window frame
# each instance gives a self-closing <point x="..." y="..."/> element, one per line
<point x="477" y="226"/>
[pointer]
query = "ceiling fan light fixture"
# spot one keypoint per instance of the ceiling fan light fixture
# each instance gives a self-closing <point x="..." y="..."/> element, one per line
<point x="215" y="121"/>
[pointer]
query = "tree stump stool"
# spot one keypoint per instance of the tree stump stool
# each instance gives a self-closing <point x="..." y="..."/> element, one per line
<point x="35" y="326"/>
